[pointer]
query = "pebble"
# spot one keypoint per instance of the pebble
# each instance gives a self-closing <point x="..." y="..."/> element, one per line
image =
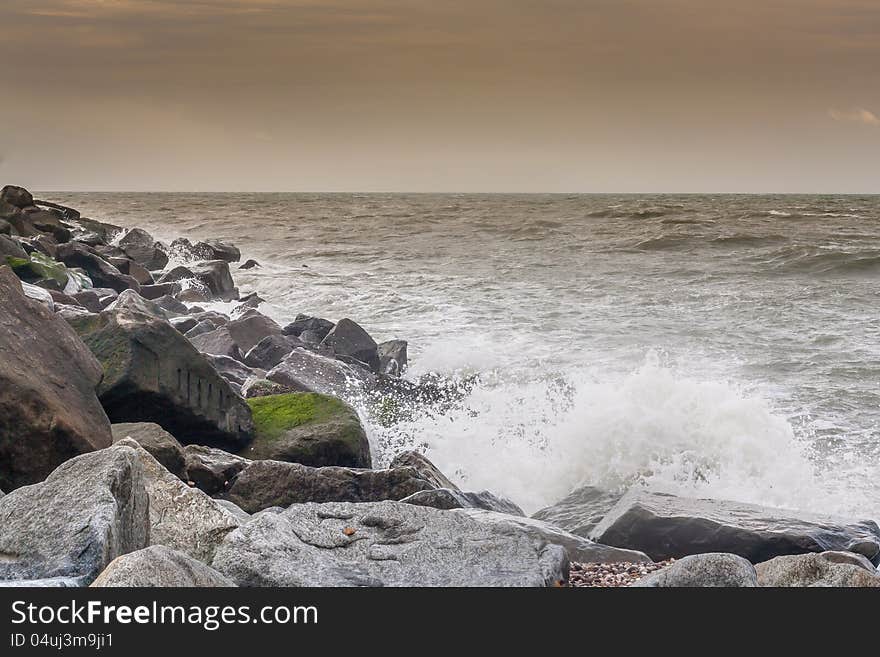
<point x="611" y="574"/>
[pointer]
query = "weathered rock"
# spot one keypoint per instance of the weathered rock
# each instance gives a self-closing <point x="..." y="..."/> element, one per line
<point x="10" y="248"/>
<point x="196" y="293"/>
<point x="132" y="301"/>
<point x="252" y="300"/>
<point x="217" y="250"/>
<point x="90" y="300"/>
<point x="90" y="510"/>
<point x="703" y="570"/>
<point x="106" y="296"/>
<point x="250" y="264"/>
<point x="271" y="350"/>
<point x="39" y="294"/>
<point x="231" y="369"/>
<point x="171" y="306"/>
<point x="581" y="510"/>
<point x="578" y="548"/>
<point x="83" y="225"/>
<point x="821" y="569"/>
<point x="184" y="324"/>
<point x="159" y="290"/>
<point x="250" y="329"/>
<point x="242" y="515"/>
<point x="306" y="371"/>
<point x="348" y="339"/>
<point x="447" y="498"/>
<point x="212" y="469"/>
<point x="159" y="566"/>
<point x="383" y="544"/>
<point x="48" y="408"/>
<point x="427" y="470"/>
<point x="257" y="386"/>
<point x="262" y="484"/>
<point x="665" y="526"/>
<point x="130" y="267"/>
<point x="213" y="274"/>
<point x="182" y="518"/>
<point x="320" y="327"/>
<point x="159" y="443"/>
<point x="6" y="229"/>
<point x="218" y="342"/>
<point x="17" y="196"/>
<point x="202" y="327"/>
<point x="153" y="374"/>
<point x="392" y="357"/>
<point x="102" y="273"/>
<point x="307" y="428"/>
<point x="140" y="246"/>
<point x="47" y="221"/>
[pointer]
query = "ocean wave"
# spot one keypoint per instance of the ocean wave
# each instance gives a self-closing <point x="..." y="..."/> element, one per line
<point x="818" y="260"/>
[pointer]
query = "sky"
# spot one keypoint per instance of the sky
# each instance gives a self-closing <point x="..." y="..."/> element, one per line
<point x="441" y="95"/>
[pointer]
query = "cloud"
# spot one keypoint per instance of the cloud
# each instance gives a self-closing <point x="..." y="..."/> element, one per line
<point x="857" y="115"/>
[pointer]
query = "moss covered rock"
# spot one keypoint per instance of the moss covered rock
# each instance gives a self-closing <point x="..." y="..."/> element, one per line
<point x="308" y="428"/>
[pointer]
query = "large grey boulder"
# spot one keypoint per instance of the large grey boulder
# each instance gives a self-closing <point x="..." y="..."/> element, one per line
<point x="392" y="357"/>
<point x="182" y="518"/>
<point x="217" y="250"/>
<point x="316" y="326"/>
<point x="448" y="498"/>
<point x="131" y="300"/>
<point x="248" y="330"/>
<point x="49" y="411"/>
<point x="271" y="350"/>
<point x="839" y="569"/>
<point x="581" y="510"/>
<point x="665" y="526"/>
<point x="140" y="246"/>
<point x="218" y="342"/>
<point x="264" y="484"/>
<point x="159" y="443"/>
<point x="159" y="566"/>
<point x="348" y="338"/>
<point x="306" y="371"/>
<point x="214" y="275"/>
<point x="16" y="196"/>
<point x="703" y="570"/>
<point x="89" y="511"/>
<point x="102" y="273"/>
<point x="383" y="544"/>
<point x="153" y="374"/>
<point x="426" y="469"/>
<point x="578" y="548"/>
<point x="211" y="469"/>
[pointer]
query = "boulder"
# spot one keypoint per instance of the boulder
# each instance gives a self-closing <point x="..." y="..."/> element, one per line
<point x="106" y="232"/>
<point x="101" y="272"/>
<point x="140" y="246"/>
<point x="158" y="442"/>
<point x="819" y="569"/>
<point x="218" y="342"/>
<point x="271" y="350"/>
<point x="212" y="469"/>
<point x="250" y="264"/>
<point x="666" y="526"/>
<point x="427" y="470"/>
<point x="153" y="374"/>
<point x="263" y="484"/>
<point x="348" y="339"/>
<point x="130" y="267"/>
<point x="202" y="327"/>
<point x="230" y="369"/>
<point x="256" y="386"/>
<point x="307" y="428"/>
<point x="213" y="274"/>
<point x="306" y="371"/>
<point x="184" y="324"/>
<point x="39" y="294"/>
<point x="159" y="566"/>
<point x="250" y="329"/>
<point x="319" y="327"/>
<point x="16" y="196"/>
<point x="89" y="511"/>
<point x="235" y="510"/>
<point x="578" y="548"/>
<point x="581" y="510"/>
<point x="10" y="248"/>
<point x="132" y="301"/>
<point x="49" y="411"/>
<point x="383" y="544"/>
<point x="182" y="518"/>
<point x="171" y="306"/>
<point x="159" y="290"/>
<point x="217" y="250"/>
<point x="90" y="300"/>
<point x="47" y="221"/>
<point x="447" y="498"/>
<point x="703" y="570"/>
<point x="392" y="357"/>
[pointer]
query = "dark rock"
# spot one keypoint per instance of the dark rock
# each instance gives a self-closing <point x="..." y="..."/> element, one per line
<point x="348" y="339"/>
<point x="217" y="250"/>
<point x="64" y="299"/>
<point x="392" y="357"/>
<point x="263" y="484"/>
<point x="195" y="294"/>
<point x="184" y="324"/>
<point x="5" y="227"/>
<point x="102" y="273"/>
<point x="427" y="470"/>
<point x="271" y="350"/>
<point x="140" y="246"/>
<point x="703" y="570"/>
<point x="131" y="300"/>
<point x="106" y="232"/>
<point x="230" y="369"/>
<point x="217" y="342"/>
<point x="48" y="408"/>
<point x="130" y="267"/>
<point x="47" y="221"/>
<point x="383" y="544"/>
<point x="248" y="330"/>
<point x="308" y="428"/>
<point x="159" y="566"/>
<point x="307" y="323"/>
<point x="162" y="445"/>
<point x="213" y="274"/>
<point x="665" y="526"/>
<point x="212" y="469"/>
<point x="159" y="290"/>
<point x="90" y="300"/>
<point x="171" y="306"/>
<point x="837" y="569"/>
<point x="252" y="300"/>
<point x="581" y="510"/>
<point x="12" y="249"/>
<point x="90" y="510"/>
<point x="202" y="327"/>
<point x="250" y="264"/>
<point x="447" y="498"/>
<point x="305" y="371"/>
<point x="256" y="386"/>
<point x="153" y="374"/>
<point x="17" y="196"/>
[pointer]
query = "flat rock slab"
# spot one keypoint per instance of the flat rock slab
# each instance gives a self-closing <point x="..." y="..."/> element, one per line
<point x="581" y="510"/>
<point x="159" y="566"/>
<point x="667" y="526"/>
<point x="49" y="410"/>
<point x="383" y="544"/>
<point x="89" y="511"/>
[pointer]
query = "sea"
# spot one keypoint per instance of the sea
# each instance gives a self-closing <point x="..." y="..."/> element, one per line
<point x="723" y="346"/>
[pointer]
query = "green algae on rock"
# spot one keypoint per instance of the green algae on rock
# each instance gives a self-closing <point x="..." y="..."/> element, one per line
<point x="308" y="428"/>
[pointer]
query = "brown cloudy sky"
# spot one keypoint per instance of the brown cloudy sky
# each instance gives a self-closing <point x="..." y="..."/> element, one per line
<point x="455" y="95"/>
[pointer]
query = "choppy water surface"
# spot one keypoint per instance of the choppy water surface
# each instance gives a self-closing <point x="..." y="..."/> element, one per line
<point x="728" y="345"/>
